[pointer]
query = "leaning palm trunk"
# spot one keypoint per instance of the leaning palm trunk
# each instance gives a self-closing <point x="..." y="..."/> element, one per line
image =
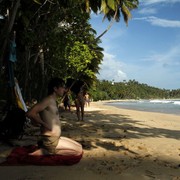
<point x="110" y="25"/>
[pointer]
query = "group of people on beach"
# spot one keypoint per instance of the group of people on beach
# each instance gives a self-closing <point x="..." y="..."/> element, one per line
<point x="46" y="115"/>
<point x="82" y="100"/>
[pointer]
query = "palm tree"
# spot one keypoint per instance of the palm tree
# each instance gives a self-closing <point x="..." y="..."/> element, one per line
<point x="33" y="21"/>
<point x="113" y="9"/>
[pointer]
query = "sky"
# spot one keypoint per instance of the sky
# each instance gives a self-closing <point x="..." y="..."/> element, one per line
<point x="147" y="50"/>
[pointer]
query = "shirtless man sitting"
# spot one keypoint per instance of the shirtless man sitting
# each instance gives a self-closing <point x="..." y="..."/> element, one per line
<point x="46" y="115"/>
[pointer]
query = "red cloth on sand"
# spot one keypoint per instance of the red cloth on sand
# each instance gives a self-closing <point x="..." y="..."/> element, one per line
<point x="20" y="156"/>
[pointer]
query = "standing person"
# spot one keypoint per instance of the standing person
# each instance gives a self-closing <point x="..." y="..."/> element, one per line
<point x="67" y="102"/>
<point x="46" y="115"/>
<point x="79" y="103"/>
<point x="87" y="99"/>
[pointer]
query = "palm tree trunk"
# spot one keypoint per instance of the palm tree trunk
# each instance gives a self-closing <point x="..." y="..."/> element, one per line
<point x="110" y="25"/>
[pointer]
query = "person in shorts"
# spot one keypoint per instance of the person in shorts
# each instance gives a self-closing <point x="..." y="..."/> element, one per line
<point x="46" y="115"/>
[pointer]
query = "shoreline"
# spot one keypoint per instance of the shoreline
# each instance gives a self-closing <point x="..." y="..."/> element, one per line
<point x="149" y="108"/>
<point x="118" y="144"/>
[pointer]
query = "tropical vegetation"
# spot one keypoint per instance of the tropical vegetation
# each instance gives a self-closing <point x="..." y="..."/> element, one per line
<point x="53" y="38"/>
<point x="109" y="90"/>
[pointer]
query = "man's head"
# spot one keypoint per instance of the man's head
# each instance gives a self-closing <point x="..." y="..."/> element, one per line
<point x="55" y="84"/>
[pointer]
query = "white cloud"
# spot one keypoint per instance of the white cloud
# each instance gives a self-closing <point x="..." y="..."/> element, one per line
<point x="153" y="74"/>
<point x="160" y="22"/>
<point x="167" y="58"/>
<point x="159" y="73"/>
<point x="149" y="2"/>
<point x="111" y="69"/>
<point x="147" y="11"/>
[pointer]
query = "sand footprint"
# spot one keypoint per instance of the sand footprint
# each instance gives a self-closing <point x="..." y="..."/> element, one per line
<point x="150" y="174"/>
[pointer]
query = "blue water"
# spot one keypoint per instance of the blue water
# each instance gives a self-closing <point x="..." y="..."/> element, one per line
<point x="161" y="106"/>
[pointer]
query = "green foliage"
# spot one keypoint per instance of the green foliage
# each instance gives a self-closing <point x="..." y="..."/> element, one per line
<point x="54" y="38"/>
<point x="78" y="58"/>
<point x="106" y="90"/>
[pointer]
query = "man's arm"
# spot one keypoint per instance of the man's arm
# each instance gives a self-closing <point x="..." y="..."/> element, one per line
<point x="33" y="113"/>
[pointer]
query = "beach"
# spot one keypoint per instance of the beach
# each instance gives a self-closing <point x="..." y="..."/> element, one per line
<point x="118" y="144"/>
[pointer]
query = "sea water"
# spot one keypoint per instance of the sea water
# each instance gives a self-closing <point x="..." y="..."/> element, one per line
<point x="158" y="105"/>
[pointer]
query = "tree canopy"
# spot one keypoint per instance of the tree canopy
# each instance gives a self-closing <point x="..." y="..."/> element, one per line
<point x="132" y="89"/>
<point x="54" y="38"/>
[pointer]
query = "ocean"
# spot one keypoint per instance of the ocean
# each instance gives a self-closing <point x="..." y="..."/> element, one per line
<point x="161" y="106"/>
